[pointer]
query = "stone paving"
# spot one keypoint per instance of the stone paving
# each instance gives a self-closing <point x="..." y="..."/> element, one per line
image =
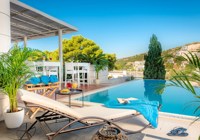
<point x="165" y="125"/>
<point x="85" y="134"/>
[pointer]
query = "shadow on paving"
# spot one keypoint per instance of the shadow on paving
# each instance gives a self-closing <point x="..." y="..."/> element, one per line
<point x="156" y="137"/>
<point x="84" y="134"/>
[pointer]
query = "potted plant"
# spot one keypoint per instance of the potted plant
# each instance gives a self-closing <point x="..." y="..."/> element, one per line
<point x="4" y="100"/>
<point x="14" y="72"/>
<point x="99" y="61"/>
<point x="98" y="67"/>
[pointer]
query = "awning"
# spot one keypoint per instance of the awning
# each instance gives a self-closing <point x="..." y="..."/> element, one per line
<point x="33" y="24"/>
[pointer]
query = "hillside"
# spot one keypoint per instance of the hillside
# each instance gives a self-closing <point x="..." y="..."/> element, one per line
<point x="123" y="61"/>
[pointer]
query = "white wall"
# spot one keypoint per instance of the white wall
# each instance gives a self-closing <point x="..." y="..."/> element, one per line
<point x="117" y="80"/>
<point x="116" y="76"/>
<point x="5" y="35"/>
<point x="103" y="75"/>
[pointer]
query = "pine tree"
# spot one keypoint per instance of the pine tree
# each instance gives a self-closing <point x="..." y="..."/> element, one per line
<point x="154" y="69"/>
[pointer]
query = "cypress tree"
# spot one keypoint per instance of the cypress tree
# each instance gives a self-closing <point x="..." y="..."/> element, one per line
<point x="154" y="69"/>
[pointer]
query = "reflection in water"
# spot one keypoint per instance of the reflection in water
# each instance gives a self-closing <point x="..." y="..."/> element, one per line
<point x="100" y="96"/>
<point x="149" y="90"/>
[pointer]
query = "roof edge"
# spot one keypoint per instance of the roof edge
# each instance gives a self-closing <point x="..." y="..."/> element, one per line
<point x="44" y="14"/>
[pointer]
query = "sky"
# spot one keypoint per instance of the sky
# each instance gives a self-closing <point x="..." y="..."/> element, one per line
<point x="123" y="27"/>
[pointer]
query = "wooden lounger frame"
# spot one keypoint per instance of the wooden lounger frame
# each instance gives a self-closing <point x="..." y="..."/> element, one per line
<point x="52" y="87"/>
<point x="51" y="114"/>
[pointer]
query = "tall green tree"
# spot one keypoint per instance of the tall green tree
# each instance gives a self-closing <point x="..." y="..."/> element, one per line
<point x="111" y="61"/>
<point x="39" y="55"/>
<point x="79" y="45"/>
<point x="72" y="48"/>
<point x="75" y="46"/>
<point x="154" y="69"/>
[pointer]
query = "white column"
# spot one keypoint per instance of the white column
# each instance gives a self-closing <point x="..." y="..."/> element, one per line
<point x="5" y="37"/>
<point x="5" y="42"/>
<point x="25" y="41"/>
<point x="60" y="55"/>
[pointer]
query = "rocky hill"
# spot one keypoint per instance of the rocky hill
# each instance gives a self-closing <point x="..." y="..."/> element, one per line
<point x="125" y="62"/>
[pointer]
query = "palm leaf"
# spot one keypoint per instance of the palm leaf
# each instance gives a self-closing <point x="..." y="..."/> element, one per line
<point x="194" y="61"/>
<point x="182" y="80"/>
<point x="197" y="108"/>
<point x="190" y="60"/>
<point x="162" y="59"/>
<point x="188" y="85"/>
<point x="197" y="59"/>
<point x="196" y="119"/>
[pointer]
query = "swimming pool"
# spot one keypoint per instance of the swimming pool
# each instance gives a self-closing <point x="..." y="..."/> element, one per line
<point x="173" y="99"/>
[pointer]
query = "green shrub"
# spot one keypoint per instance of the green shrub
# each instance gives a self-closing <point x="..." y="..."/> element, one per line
<point x="132" y="78"/>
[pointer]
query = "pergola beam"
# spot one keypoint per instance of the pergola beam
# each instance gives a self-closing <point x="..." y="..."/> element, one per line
<point x="13" y="38"/>
<point x="12" y="15"/>
<point x="46" y="33"/>
<point x="18" y="39"/>
<point x="21" y="29"/>
<point x="25" y="28"/>
<point x="16" y="33"/>
<point x="43" y="32"/>
<point x="32" y="18"/>
<point x="23" y="21"/>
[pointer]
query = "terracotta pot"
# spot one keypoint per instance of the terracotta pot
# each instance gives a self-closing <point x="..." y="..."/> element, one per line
<point x="4" y="104"/>
<point x="15" y="119"/>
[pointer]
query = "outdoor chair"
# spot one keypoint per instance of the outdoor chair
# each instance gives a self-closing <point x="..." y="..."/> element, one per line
<point x="52" y="71"/>
<point x="69" y="70"/>
<point x="98" y="115"/>
<point x="84" y="71"/>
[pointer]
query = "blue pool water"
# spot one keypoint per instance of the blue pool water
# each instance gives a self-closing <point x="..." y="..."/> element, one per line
<point x="173" y="99"/>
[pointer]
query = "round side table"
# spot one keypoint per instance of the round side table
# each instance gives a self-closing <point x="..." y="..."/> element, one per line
<point x="72" y="92"/>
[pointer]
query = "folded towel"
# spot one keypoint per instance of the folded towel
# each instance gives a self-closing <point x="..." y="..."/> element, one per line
<point x="149" y="109"/>
<point x="44" y="79"/>
<point x="53" y="79"/>
<point x="34" y="80"/>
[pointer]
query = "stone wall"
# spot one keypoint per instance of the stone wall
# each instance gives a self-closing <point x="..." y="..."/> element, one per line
<point x="103" y="75"/>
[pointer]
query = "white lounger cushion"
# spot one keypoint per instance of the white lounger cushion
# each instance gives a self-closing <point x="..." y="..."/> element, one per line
<point x="96" y="111"/>
<point x="38" y="99"/>
<point x="103" y="112"/>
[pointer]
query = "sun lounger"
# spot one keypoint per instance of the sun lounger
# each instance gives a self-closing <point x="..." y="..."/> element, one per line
<point x="90" y="116"/>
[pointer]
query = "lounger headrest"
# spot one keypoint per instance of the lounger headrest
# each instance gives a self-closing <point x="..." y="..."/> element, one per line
<point x="38" y="99"/>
